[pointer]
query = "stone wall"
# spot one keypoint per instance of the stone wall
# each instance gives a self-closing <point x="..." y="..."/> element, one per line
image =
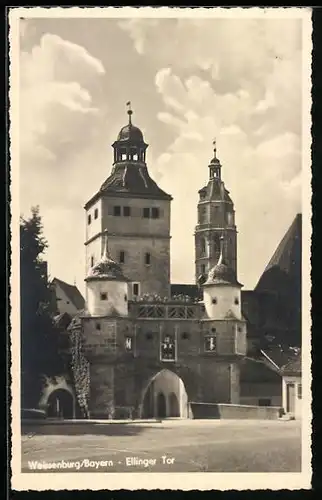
<point x="230" y="411"/>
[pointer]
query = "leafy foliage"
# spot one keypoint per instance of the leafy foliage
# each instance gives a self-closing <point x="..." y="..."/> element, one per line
<point x="39" y="338"/>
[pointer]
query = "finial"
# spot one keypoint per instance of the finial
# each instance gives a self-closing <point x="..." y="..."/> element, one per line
<point x="105" y="253"/>
<point x="215" y="147"/>
<point x="221" y="257"/>
<point x="129" y="112"/>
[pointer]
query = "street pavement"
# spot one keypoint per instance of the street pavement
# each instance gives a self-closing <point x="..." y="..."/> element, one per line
<point x="167" y="446"/>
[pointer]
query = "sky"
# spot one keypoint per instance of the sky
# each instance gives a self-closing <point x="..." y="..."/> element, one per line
<point x="189" y="81"/>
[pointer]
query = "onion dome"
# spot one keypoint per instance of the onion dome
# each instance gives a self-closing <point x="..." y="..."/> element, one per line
<point x="130" y="133"/>
<point x="221" y="274"/>
<point x="106" y="268"/>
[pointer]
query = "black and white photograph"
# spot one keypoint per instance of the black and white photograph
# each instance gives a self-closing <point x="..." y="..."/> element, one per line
<point x="161" y="229"/>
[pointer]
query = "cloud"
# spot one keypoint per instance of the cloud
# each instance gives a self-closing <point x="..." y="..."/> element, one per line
<point x="58" y="117"/>
<point x="56" y="105"/>
<point x="262" y="173"/>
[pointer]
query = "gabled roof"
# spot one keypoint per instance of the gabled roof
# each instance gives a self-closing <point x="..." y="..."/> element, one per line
<point x="287" y="256"/>
<point x="277" y="356"/>
<point x="293" y="367"/>
<point x="72" y="292"/>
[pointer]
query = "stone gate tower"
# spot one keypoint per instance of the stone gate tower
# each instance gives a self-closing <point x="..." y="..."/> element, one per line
<point x="135" y="213"/>
<point x="216" y="219"/>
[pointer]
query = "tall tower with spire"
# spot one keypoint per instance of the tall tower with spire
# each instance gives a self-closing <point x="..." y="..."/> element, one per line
<point x="216" y="219"/>
<point x="135" y="212"/>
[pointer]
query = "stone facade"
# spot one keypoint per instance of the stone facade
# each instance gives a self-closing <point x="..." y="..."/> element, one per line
<point x="150" y="354"/>
<point x="216" y="218"/>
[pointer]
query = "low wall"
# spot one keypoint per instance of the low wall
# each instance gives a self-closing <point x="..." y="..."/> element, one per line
<point x="230" y="411"/>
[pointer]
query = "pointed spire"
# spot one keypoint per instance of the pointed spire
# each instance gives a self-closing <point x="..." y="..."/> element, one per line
<point x="105" y="251"/>
<point x="129" y="112"/>
<point x="221" y="257"/>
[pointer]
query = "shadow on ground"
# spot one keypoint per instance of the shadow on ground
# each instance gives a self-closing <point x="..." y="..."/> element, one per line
<point x="95" y="429"/>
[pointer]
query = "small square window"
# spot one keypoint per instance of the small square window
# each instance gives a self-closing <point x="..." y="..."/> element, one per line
<point x="95" y="213"/>
<point x="214" y="300"/>
<point x="147" y="259"/>
<point x="126" y="211"/>
<point x="155" y="213"/>
<point x="103" y="296"/>
<point x="117" y="211"/>
<point x="98" y="326"/>
<point x="146" y="213"/>
<point x="236" y="301"/>
<point x="185" y="336"/>
<point x="89" y="219"/>
<point x="149" y="336"/>
<point x="213" y="330"/>
<point x="122" y="257"/>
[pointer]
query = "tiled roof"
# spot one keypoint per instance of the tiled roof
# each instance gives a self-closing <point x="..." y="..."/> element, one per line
<point x="278" y="356"/>
<point x="133" y="179"/>
<point x="106" y="269"/>
<point x="72" y="293"/>
<point x="212" y="191"/>
<point x="221" y="274"/>
<point x="293" y="367"/>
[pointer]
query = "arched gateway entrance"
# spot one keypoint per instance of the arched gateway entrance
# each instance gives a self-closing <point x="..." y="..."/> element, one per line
<point x="164" y="397"/>
<point x="60" y="404"/>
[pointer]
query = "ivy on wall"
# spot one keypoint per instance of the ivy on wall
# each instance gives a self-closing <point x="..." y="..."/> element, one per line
<point x="81" y="371"/>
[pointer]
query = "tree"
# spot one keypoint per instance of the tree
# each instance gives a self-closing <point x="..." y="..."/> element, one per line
<point x="39" y="338"/>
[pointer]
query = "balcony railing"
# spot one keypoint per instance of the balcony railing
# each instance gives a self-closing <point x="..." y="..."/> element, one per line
<point x="170" y="310"/>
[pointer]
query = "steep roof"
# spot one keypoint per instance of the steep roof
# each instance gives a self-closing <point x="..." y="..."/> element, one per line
<point x="72" y="292"/>
<point x="130" y="179"/>
<point x="287" y="256"/>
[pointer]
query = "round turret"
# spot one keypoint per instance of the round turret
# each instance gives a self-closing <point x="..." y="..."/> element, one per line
<point x="107" y="288"/>
<point x="222" y="291"/>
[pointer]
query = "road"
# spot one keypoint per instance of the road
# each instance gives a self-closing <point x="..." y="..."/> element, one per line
<point x="188" y="445"/>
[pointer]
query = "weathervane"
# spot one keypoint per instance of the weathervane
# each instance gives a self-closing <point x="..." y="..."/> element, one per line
<point x="215" y="146"/>
<point x="129" y="111"/>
